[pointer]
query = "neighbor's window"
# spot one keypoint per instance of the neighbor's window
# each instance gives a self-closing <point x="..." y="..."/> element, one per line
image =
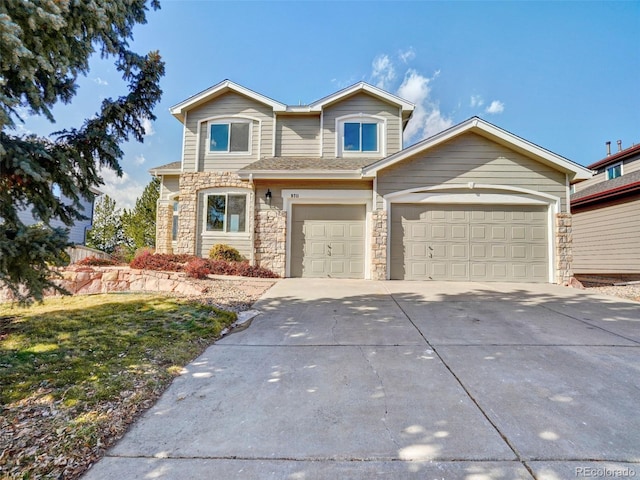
<point x="229" y="137"/>
<point x="226" y="213"/>
<point x="360" y="137"/>
<point x="174" y="227"/>
<point x="614" y="171"/>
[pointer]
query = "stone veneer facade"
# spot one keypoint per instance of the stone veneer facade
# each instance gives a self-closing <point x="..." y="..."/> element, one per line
<point x="564" y="253"/>
<point x="164" y="226"/>
<point x="271" y="240"/>
<point x="379" y="238"/>
<point x="190" y="184"/>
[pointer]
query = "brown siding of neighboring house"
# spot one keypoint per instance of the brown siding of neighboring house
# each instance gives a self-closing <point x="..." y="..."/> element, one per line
<point x="606" y="237"/>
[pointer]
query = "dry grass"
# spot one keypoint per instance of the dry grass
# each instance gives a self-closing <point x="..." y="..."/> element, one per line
<point x="76" y="371"/>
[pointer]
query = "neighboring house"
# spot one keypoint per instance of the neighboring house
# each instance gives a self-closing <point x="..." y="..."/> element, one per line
<point x="327" y="190"/>
<point x="606" y="216"/>
<point x="78" y="231"/>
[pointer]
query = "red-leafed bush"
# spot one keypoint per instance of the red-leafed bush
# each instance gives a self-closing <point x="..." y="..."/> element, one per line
<point x="197" y="268"/>
<point x="94" y="261"/>
<point x="160" y="261"/>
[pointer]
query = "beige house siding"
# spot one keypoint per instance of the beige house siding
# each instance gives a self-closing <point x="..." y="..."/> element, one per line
<point x="227" y="105"/>
<point x="170" y="186"/>
<point x="298" y="136"/>
<point x="366" y="104"/>
<point x="276" y="187"/>
<point x="606" y="239"/>
<point x="472" y="158"/>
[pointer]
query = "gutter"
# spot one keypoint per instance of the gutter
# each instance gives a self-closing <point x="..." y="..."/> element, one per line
<point x="301" y="174"/>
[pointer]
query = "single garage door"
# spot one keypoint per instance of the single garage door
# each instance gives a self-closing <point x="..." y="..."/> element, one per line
<point x="467" y="242"/>
<point x="328" y="241"/>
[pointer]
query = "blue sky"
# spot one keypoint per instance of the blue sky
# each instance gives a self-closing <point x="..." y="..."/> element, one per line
<point x="564" y="75"/>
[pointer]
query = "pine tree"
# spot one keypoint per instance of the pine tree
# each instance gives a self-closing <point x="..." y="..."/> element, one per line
<point x="139" y="224"/>
<point x="44" y="46"/>
<point x="106" y="232"/>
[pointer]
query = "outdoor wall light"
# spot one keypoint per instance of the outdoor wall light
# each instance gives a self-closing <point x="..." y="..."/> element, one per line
<point x="267" y="197"/>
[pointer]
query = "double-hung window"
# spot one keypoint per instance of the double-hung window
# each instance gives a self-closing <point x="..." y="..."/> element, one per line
<point x="227" y="136"/>
<point x="360" y="137"/>
<point x="226" y="213"/>
<point x="614" y="171"/>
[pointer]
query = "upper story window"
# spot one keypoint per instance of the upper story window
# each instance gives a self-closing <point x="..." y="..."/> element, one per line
<point x="229" y="136"/>
<point x="360" y="135"/>
<point x="614" y="171"/>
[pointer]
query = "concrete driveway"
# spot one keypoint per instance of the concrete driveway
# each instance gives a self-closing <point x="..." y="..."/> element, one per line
<point x="393" y="380"/>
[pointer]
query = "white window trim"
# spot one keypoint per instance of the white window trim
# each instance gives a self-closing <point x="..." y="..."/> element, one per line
<point x="361" y="118"/>
<point x="225" y="120"/>
<point x="613" y="165"/>
<point x="223" y="233"/>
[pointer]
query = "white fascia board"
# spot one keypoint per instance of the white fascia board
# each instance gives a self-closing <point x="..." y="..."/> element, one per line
<point x="365" y="87"/>
<point x="161" y="172"/>
<point x="179" y="109"/>
<point x="300" y="175"/>
<point x="483" y="128"/>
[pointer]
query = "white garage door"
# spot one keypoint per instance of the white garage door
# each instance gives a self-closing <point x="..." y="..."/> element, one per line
<point x="328" y="241"/>
<point x="478" y="243"/>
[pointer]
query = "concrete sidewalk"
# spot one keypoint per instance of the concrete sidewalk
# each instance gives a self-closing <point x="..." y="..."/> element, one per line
<point x="359" y="380"/>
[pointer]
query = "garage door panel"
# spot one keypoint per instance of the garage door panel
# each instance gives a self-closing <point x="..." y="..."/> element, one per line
<point x="458" y="242"/>
<point x="459" y="271"/>
<point x="328" y="241"/>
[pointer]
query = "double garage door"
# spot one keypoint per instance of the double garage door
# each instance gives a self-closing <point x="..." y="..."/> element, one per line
<point x="468" y="242"/>
<point x="328" y="241"/>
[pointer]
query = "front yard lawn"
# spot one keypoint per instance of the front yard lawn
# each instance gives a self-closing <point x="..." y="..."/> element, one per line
<point x="76" y="371"/>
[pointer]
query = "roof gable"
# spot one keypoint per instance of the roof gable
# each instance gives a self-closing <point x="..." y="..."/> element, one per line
<point x="491" y="132"/>
<point x="362" y="87"/>
<point x="221" y="88"/>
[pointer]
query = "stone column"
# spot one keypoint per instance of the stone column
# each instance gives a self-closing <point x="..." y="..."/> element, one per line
<point x="379" y="239"/>
<point x="164" y="226"/>
<point x="271" y="240"/>
<point x="564" y="253"/>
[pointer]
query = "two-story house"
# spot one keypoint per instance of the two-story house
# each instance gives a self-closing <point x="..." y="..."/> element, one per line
<point x="327" y="190"/>
<point x="606" y="215"/>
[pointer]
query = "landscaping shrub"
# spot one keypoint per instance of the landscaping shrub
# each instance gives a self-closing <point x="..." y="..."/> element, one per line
<point x="94" y="261"/>
<point x="197" y="268"/>
<point x="160" y="261"/>
<point x="225" y="252"/>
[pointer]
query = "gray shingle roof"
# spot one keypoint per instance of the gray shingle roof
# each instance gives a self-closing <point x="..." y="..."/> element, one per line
<point x="169" y="166"/>
<point x="308" y="163"/>
<point x="607" y="185"/>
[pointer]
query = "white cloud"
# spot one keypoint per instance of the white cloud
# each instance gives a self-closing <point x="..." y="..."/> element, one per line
<point x="124" y="190"/>
<point x="147" y="124"/>
<point x="139" y="160"/>
<point x="383" y="71"/>
<point x="476" y="101"/>
<point x="427" y="118"/>
<point x="407" y="55"/>
<point x="100" y="81"/>
<point x="496" y="107"/>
